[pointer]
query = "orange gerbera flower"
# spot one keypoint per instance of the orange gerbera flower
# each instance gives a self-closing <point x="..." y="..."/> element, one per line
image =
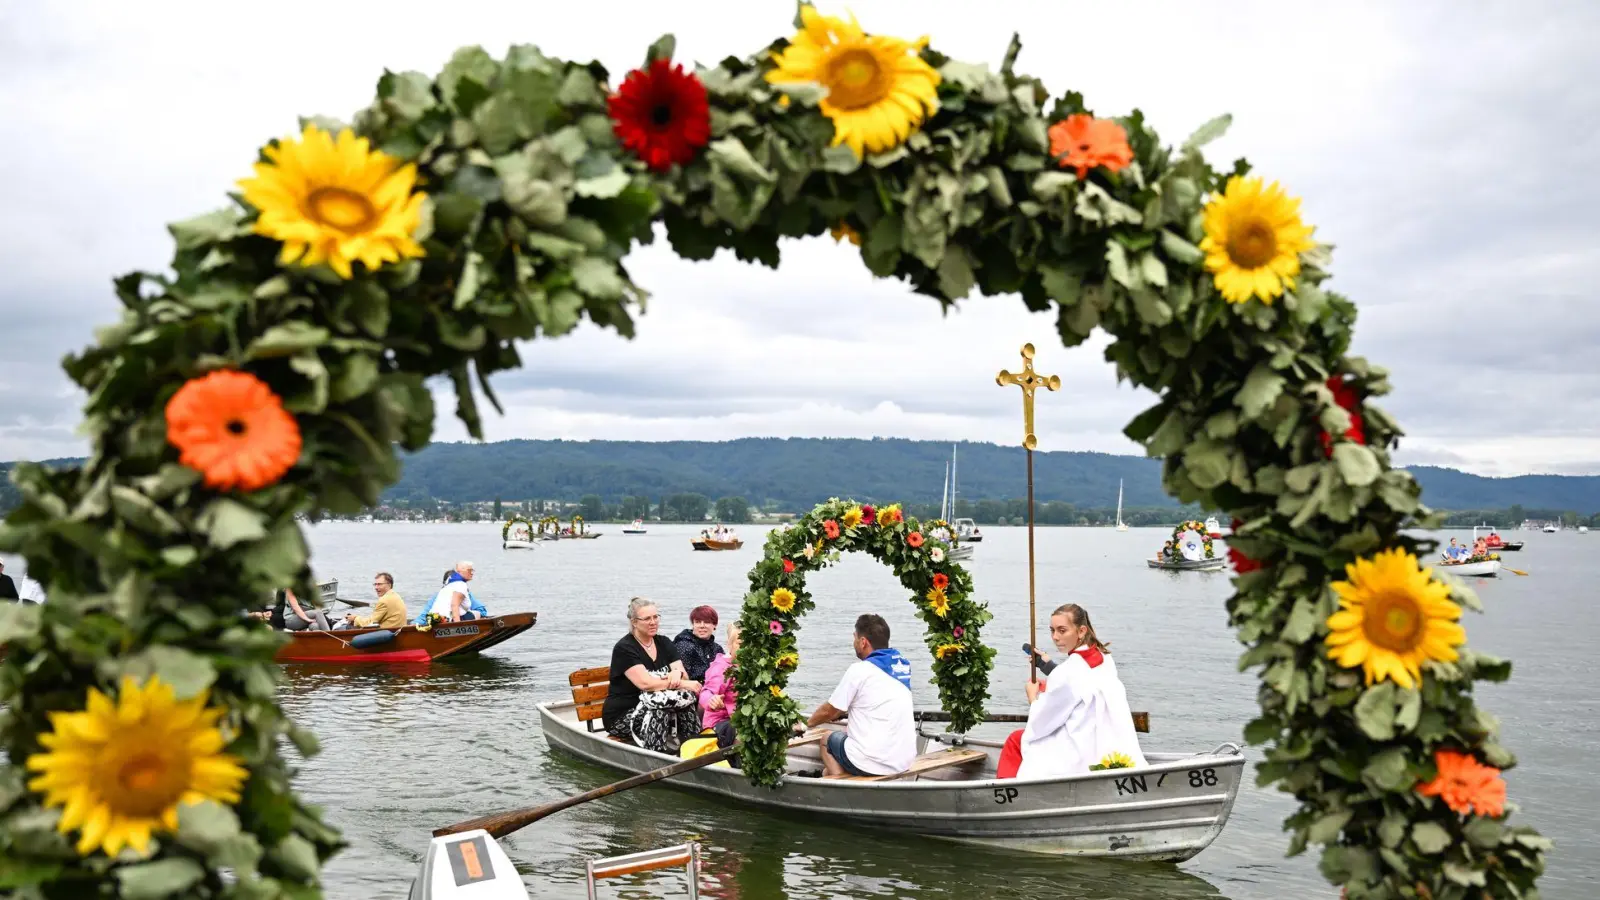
<point x="831" y="529"/>
<point x="231" y="428"/>
<point x="1083" y="142"/>
<point x="914" y="539"/>
<point x="1466" y="785"/>
<point x="941" y="580"/>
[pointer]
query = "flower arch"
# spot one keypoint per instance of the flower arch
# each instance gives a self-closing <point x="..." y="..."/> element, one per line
<point x="769" y="620"/>
<point x="1170" y="550"/>
<point x="549" y="525"/>
<point x="271" y="372"/>
<point x="519" y="519"/>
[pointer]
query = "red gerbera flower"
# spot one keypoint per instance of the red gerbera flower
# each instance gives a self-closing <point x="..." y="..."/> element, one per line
<point x="788" y="566"/>
<point x="661" y="114"/>
<point x="1241" y="563"/>
<point x="941" y="580"/>
<point x="914" y="539"/>
<point x="1344" y="394"/>
<point x="831" y="529"/>
<point x="868" y="514"/>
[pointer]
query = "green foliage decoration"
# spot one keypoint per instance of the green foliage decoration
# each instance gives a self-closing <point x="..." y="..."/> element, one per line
<point x="763" y="718"/>
<point x="532" y="208"/>
<point x="505" y="530"/>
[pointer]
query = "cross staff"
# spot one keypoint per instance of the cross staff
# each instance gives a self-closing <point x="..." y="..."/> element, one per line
<point x="1029" y="381"/>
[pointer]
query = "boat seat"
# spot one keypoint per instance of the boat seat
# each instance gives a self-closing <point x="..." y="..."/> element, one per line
<point x="927" y="762"/>
<point x="589" y="690"/>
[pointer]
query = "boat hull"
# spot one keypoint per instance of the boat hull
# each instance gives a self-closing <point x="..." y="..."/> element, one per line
<point x="708" y="544"/>
<point x="1171" y="810"/>
<point x="960" y="552"/>
<point x="1188" y="565"/>
<point x="1483" y="569"/>
<point x="633" y="531"/>
<point x="410" y="645"/>
<point x="517" y="545"/>
<point x="1512" y="547"/>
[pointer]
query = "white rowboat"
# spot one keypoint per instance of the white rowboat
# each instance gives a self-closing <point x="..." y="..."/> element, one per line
<point x="1482" y="568"/>
<point x="517" y="545"/>
<point x="1188" y="565"/>
<point x="1170" y="810"/>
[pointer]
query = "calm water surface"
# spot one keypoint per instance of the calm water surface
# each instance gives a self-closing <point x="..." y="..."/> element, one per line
<point x="408" y="750"/>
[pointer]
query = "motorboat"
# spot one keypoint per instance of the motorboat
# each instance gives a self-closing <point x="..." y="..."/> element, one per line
<point x="967" y="531"/>
<point x="635" y="527"/>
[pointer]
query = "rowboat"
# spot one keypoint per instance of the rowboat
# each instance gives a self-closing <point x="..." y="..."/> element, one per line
<point x="1188" y="565"/>
<point x="1482" y="567"/>
<point x="701" y="543"/>
<point x="517" y="545"/>
<point x="405" y="645"/>
<point x="1170" y="810"/>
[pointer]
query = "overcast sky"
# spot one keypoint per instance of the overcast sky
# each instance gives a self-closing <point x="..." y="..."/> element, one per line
<point x="1447" y="149"/>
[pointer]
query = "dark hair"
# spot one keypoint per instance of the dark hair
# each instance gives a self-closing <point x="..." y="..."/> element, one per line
<point x="386" y="577"/>
<point x="1080" y="617"/>
<point x="446" y="578"/>
<point x="703" y="614"/>
<point x="874" y="629"/>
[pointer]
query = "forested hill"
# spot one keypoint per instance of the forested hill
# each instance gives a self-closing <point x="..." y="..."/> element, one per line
<point x="798" y="472"/>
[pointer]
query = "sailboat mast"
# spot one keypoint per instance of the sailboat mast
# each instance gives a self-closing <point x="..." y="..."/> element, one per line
<point x="954" y="485"/>
<point x="944" y="495"/>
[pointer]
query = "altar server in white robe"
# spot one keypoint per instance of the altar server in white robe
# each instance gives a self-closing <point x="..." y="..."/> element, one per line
<point x="1080" y="715"/>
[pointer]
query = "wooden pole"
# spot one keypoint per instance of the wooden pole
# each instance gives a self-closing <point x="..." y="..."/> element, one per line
<point x="1029" y="381"/>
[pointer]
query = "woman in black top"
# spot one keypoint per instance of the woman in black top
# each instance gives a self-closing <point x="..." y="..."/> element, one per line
<point x="650" y="701"/>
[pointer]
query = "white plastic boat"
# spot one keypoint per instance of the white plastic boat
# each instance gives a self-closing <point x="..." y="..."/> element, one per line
<point x="637" y="527"/>
<point x="518" y="545"/>
<point x="1170" y="810"/>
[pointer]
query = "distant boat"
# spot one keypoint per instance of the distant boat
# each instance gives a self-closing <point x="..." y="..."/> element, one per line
<point x="947" y="508"/>
<point x="1583" y="529"/>
<point x="636" y="528"/>
<point x="1495" y="542"/>
<point x="1121" y="525"/>
<point x="1551" y="529"/>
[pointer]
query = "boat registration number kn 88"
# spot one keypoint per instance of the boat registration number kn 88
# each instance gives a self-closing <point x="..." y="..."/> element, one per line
<point x="454" y="631"/>
<point x="1135" y="784"/>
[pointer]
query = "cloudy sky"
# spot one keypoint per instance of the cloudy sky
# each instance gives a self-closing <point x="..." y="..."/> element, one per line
<point x="1446" y="149"/>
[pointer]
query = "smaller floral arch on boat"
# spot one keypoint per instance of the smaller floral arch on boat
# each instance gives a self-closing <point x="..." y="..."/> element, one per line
<point x="577" y="525"/>
<point x="525" y="534"/>
<point x="769" y="621"/>
<point x="1192" y="534"/>
<point x="549" y="525"/>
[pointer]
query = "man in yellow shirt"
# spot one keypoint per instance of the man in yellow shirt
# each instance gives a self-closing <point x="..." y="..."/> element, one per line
<point x="390" y="611"/>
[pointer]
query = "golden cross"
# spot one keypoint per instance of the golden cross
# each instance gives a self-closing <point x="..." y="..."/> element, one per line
<point x="1028" y="380"/>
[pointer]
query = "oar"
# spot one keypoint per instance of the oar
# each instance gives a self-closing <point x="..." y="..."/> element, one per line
<point x="502" y="824"/>
<point x="1513" y="571"/>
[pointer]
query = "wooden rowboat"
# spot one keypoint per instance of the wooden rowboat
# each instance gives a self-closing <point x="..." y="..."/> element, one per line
<point x="1170" y="810"/>
<point x="709" y="544"/>
<point x="409" y="645"/>
<point x="1188" y="565"/>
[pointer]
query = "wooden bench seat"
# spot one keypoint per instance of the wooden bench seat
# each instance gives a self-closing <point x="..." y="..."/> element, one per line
<point x="589" y="690"/>
<point x="927" y="762"/>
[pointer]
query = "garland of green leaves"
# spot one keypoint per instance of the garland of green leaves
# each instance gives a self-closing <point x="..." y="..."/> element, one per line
<point x="1170" y="549"/>
<point x="769" y="622"/>
<point x="550" y="525"/>
<point x="274" y="369"/>
<point x="505" y="530"/>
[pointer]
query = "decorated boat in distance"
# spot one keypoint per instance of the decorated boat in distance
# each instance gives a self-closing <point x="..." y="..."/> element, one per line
<point x="955" y="543"/>
<point x="549" y="529"/>
<point x="517" y="534"/>
<point x="726" y="539"/>
<point x="579" y="531"/>
<point x="1190" y="550"/>
<point x="1482" y="566"/>
<point x="410" y="644"/>
<point x="1170" y="810"/>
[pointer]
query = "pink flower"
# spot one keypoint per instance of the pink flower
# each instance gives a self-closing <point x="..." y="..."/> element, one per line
<point x="775" y="626"/>
<point x="958" y="631"/>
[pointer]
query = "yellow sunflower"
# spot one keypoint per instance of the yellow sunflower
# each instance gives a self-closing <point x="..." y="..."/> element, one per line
<point x="336" y="201"/>
<point x="776" y="691"/>
<point x="852" y="517"/>
<point x="788" y="661"/>
<point x="879" y="89"/>
<point x="1393" y="616"/>
<point x="945" y="650"/>
<point x="120" y="769"/>
<point x="1254" y="238"/>
<point x="1115" y="760"/>
<point x="939" y="602"/>
<point x="783" y="600"/>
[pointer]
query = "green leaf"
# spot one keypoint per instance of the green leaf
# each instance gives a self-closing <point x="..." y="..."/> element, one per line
<point x="1406" y="717"/>
<point x="20" y="622"/>
<point x="1483" y="833"/>
<point x="297" y="856"/>
<point x="1302" y="622"/>
<point x="955" y="273"/>
<point x="840" y="159"/>
<point x="1155" y="274"/>
<point x="1180" y="249"/>
<point x="407" y="94"/>
<point x="603" y="186"/>
<point x="663" y="48"/>
<point x="1207" y="462"/>
<point x="229" y="522"/>
<point x="1261" y="389"/>
<point x="1375" y="712"/>
<point x="1464" y="875"/>
<point x="155" y="880"/>
<point x="206" y="825"/>
<point x="213" y="227"/>
<point x="1207" y="133"/>
<point x="1388" y="771"/>
<point x="598" y="278"/>
<point x="287" y="339"/>
<point x="188" y="673"/>
<point x="1325" y="830"/>
<point x="736" y="158"/>
<point x="1151" y="308"/>
<point x="1117" y="265"/>
<point x="1358" y="465"/>
<point x="470" y="281"/>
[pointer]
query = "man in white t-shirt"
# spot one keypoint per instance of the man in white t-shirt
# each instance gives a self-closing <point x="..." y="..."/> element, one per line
<point x="876" y="693"/>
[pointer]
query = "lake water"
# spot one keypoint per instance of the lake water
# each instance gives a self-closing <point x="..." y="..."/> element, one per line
<point x="405" y="751"/>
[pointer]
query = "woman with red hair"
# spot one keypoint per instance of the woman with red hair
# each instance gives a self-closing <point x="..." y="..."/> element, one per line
<point x="697" y="645"/>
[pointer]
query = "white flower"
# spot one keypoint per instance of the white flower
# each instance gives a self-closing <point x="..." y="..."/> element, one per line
<point x="937" y="553"/>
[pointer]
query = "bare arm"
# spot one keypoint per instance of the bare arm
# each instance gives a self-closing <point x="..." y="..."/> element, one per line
<point x="295" y="605"/>
<point x="457" y="601"/>
<point x="825" y="713"/>
<point x="643" y="680"/>
<point x="679" y="679"/>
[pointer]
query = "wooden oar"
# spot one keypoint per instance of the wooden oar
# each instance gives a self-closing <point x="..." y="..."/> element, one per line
<point x="502" y="824"/>
<point x="1513" y="571"/>
<point x="1141" y="720"/>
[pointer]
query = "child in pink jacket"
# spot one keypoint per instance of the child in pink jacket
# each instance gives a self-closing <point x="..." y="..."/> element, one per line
<point x="718" y="693"/>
